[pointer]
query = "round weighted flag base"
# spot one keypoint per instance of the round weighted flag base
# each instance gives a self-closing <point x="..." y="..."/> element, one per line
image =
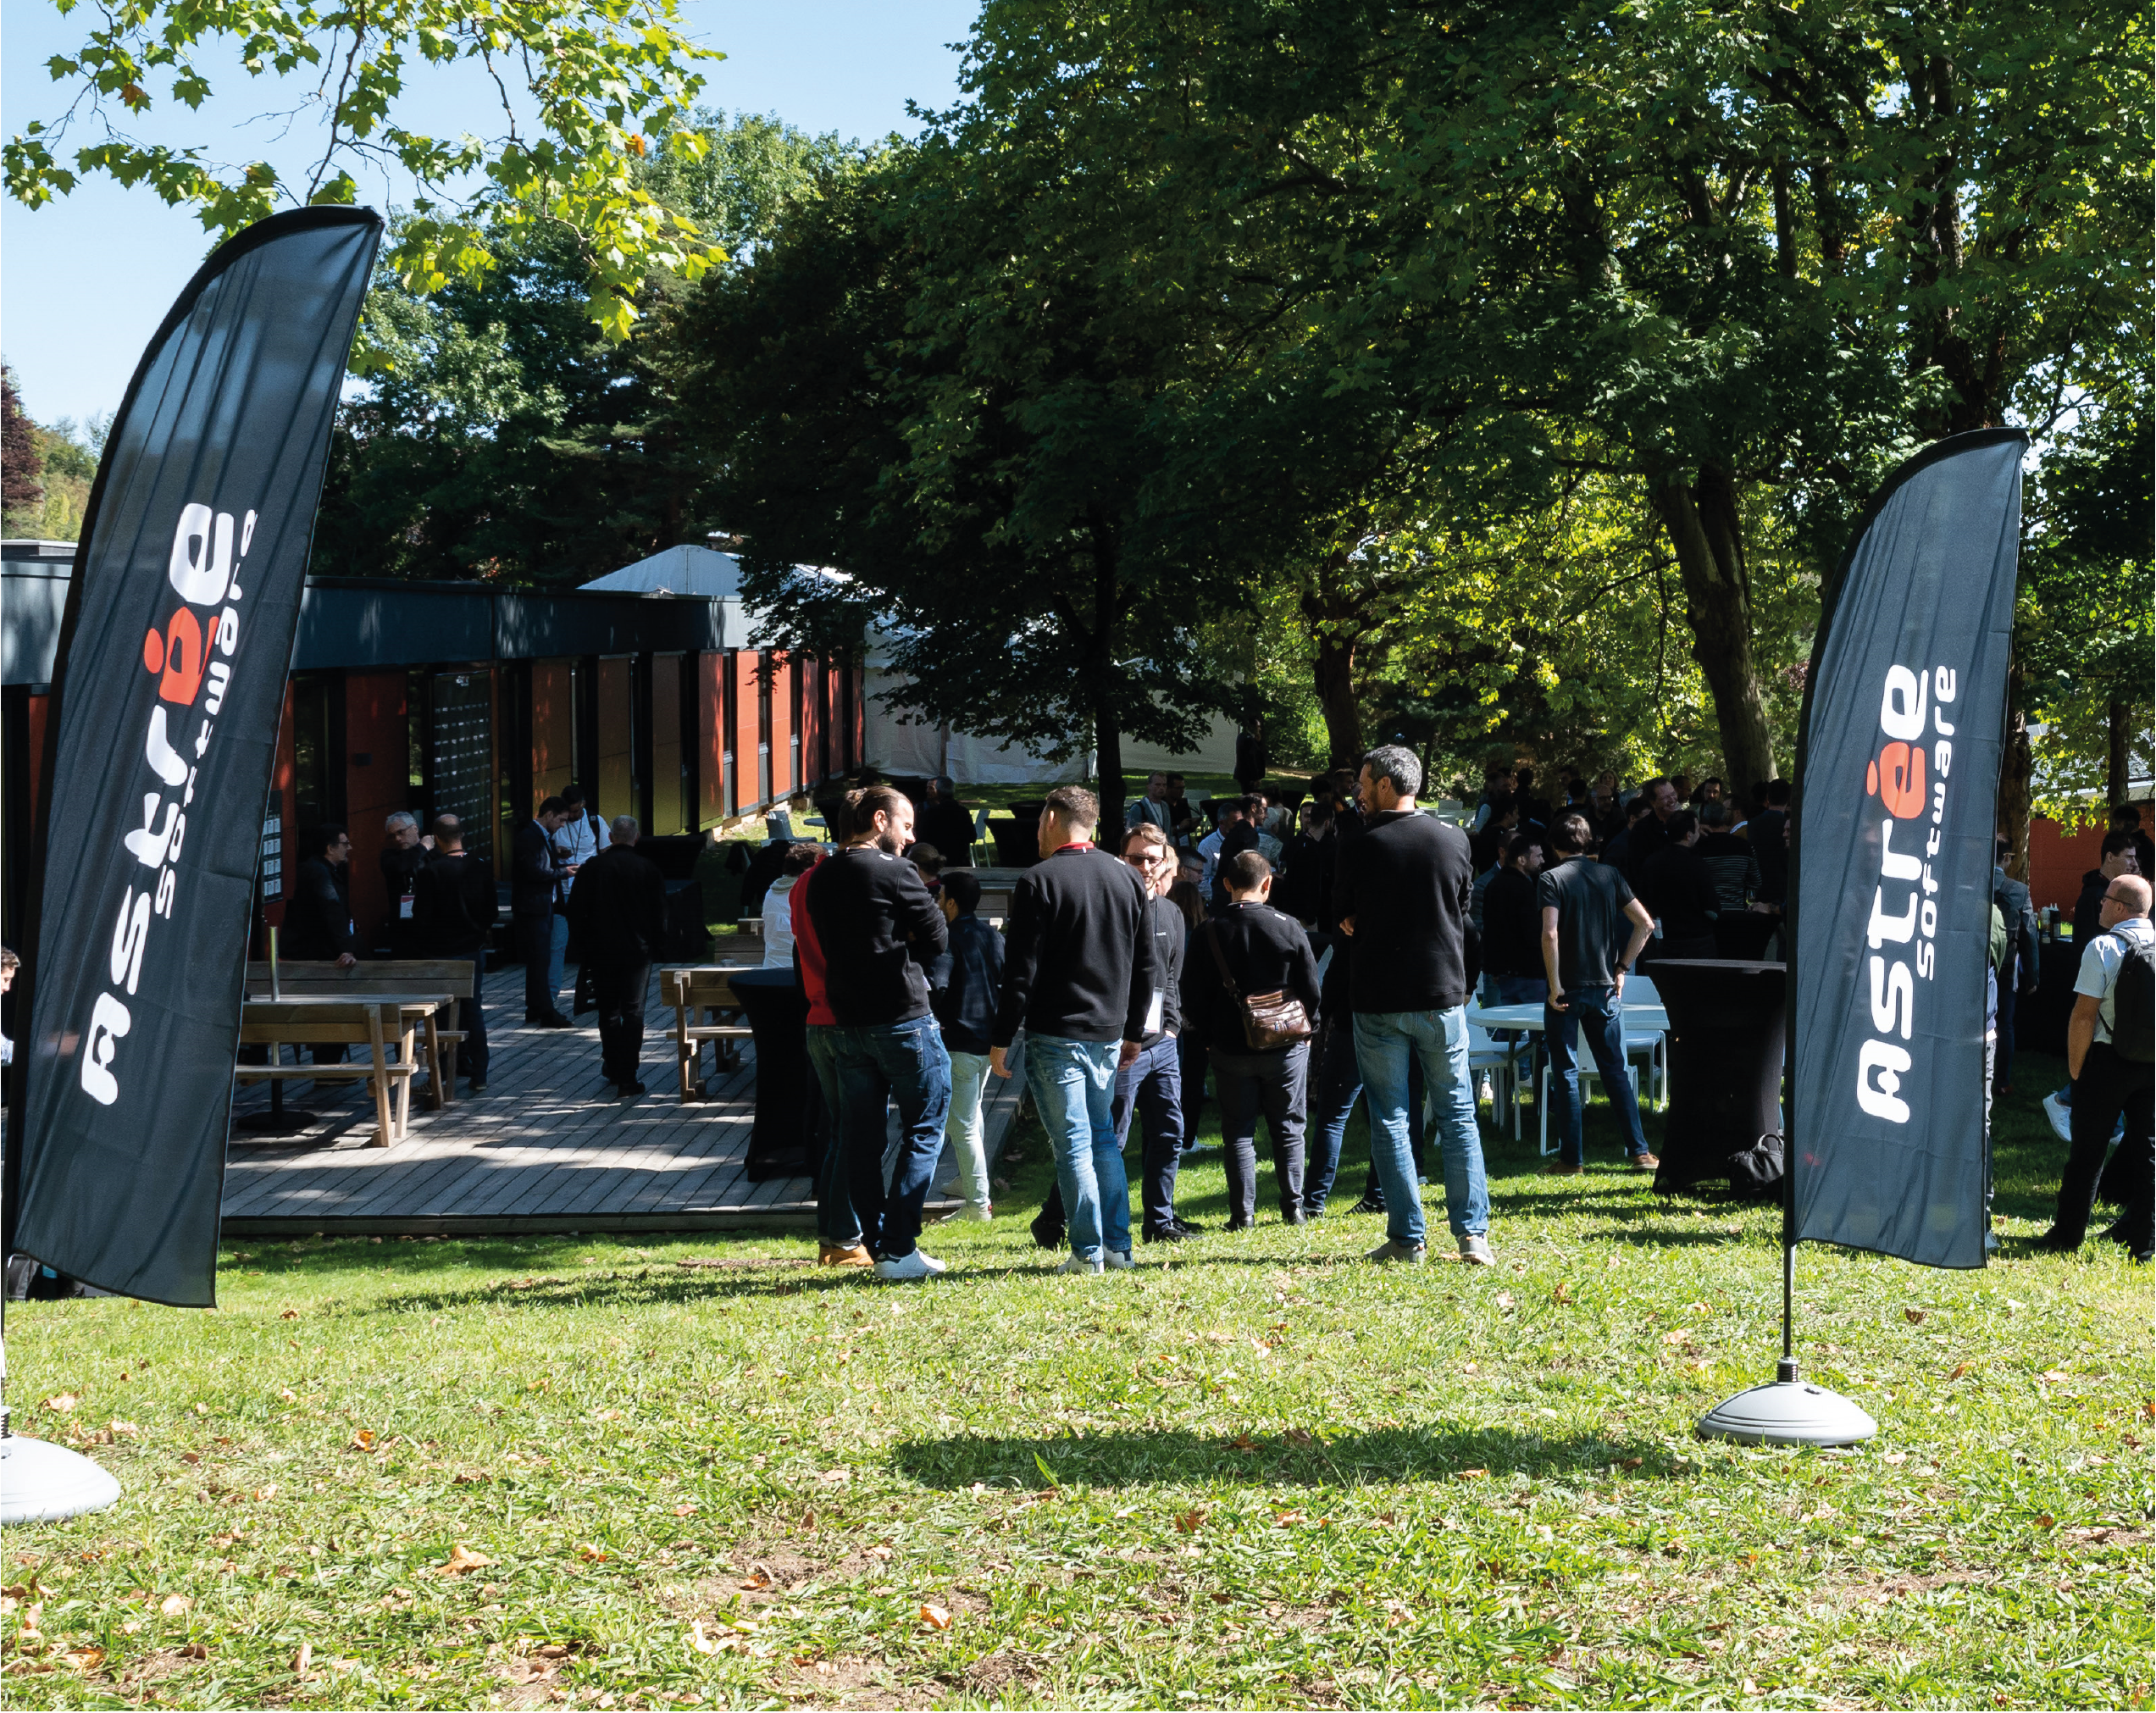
<point x="43" y="1482"/>
<point x="1787" y="1412"/>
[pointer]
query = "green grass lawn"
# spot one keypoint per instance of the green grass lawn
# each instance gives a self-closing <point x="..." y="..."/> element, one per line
<point x="1256" y="1471"/>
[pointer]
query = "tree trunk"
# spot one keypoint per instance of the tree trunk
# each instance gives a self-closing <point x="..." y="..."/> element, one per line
<point x="2118" y="758"/>
<point x="2017" y="769"/>
<point x="1336" y="696"/>
<point x="1707" y="537"/>
<point x="1108" y="763"/>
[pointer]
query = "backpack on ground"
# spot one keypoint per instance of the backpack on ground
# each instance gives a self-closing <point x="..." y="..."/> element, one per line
<point x="2133" y="1001"/>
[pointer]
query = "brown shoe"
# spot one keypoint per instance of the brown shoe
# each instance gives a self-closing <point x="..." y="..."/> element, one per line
<point x="843" y="1255"/>
<point x="1645" y="1162"/>
<point x="1561" y="1170"/>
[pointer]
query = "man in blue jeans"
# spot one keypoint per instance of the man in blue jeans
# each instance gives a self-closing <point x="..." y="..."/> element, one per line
<point x="1079" y="974"/>
<point x="878" y="928"/>
<point x="1402" y="892"/>
<point x="1587" y="907"/>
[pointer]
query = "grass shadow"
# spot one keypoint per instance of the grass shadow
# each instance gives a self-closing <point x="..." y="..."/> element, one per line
<point x="1175" y="1458"/>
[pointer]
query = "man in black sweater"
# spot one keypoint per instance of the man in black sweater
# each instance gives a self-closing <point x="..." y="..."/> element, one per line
<point x="1259" y="950"/>
<point x="1680" y="892"/>
<point x="1078" y="975"/>
<point x="454" y="908"/>
<point x="1403" y="896"/>
<point x="879" y="928"/>
<point x="618" y="908"/>
<point x="1150" y="1084"/>
<point x="538" y="880"/>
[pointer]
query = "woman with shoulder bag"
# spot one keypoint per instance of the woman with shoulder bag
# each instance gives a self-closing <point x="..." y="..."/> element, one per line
<point x="1257" y="1016"/>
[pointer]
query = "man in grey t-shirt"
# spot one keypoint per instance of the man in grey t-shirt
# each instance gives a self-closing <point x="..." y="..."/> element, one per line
<point x="2108" y="1084"/>
<point x="1592" y="929"/>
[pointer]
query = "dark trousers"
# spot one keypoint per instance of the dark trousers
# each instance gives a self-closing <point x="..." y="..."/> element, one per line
<point x="2003" y="1060"/>
<point x="1190" y="1067"/>
<point x="471" y="1019"/>
<point x="845" y="1185"/>
<point x="619" y="988"/>
<point x="1273" y="1084"/>
<point x="2108" y="1088"/>
<point x="534" y="941"/>
<point x="1151" y="1086"/>
<point x="1334" y="1089"/>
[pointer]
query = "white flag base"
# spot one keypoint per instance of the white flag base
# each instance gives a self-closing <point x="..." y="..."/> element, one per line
<point x="1787" y="1412"/>
<point x="43" y="1482"/>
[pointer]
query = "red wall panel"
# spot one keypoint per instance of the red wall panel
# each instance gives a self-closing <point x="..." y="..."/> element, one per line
<point x="711" y="703"/>
<point x="745" y="728"/>
<point x="2057" y="860"/>
<point x="781" y="690"/>
<point x="553" y="729"/>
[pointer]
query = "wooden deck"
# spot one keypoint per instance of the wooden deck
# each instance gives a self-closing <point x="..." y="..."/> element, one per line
<point x="546" y="1148"/>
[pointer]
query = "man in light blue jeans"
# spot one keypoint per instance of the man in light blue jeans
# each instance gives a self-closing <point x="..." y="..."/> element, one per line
<point x="1073" y="1084"/>
<point x="1384" y="1042"/>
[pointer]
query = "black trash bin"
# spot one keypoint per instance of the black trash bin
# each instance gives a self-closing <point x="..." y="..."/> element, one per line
<point x="1727" y="1021"/>
<point x="791" y="1127"/>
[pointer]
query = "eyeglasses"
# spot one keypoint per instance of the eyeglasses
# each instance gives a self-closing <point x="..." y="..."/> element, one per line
<point x="1138" y="859"/>
<point x="2113" y="898"/>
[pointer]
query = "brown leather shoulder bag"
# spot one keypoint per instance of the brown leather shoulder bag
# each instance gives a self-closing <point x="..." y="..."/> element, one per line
<point x="1271" y="1021"/>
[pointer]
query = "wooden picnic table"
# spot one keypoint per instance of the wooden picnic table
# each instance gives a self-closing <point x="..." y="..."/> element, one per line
<point x="378" y="1022"/>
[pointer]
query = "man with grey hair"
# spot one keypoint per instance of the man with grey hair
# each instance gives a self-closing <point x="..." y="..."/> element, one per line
<point x="1402" y="892"/>
<point x="1152" y="808"/>
<point x="618" y="908"/>
<point x="404" y="854"/>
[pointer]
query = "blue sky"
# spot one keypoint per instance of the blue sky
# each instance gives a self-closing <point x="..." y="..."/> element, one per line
<point x="85" y="281"/>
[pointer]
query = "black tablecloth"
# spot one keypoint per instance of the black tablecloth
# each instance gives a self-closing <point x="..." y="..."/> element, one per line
<point x="1726" y="1024"/>
<point x="790" y="1125"/>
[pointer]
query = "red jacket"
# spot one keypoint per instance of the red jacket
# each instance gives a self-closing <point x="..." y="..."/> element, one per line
<point x="808" y="950"/>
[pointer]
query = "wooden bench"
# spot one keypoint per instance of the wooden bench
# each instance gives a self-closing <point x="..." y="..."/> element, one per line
<point x="450" y="977"/>
<point x="298" y="1022"/>
<point x="708" y="990"/>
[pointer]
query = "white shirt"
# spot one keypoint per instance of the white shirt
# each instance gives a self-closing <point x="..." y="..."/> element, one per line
<point x="779" y="925"/>
<point x="2099" y="972"/>
<point x="581" y="836"/>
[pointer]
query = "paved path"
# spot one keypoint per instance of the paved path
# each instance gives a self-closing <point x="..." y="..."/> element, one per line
<point x="546" y="1148"/>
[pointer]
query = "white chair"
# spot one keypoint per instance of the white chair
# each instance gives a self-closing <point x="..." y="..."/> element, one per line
<point x="1493" y="1056"/>
<point x="1651" y="1045"/>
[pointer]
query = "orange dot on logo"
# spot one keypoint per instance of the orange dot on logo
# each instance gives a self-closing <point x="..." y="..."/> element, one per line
<point x="1872" y="780"/>
<point x="153" y="652"/>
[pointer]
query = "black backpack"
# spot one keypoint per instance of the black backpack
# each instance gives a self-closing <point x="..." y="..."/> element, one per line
<point x="2133" y="1001"/>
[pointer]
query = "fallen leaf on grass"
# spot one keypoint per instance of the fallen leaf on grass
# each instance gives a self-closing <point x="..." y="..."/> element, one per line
<point x="1474" y="1474"/>
<point x="1961" y="1369"/>
<point x="2047" y="1521"/>
<point x="754" y="1581"/>
<point x="1630" y="1462"/>
<point x="1190" y="1522"/>
<point x="1505" y="1299"/>
<point x="705" y="1642"/>
<point x="684" y="1511"/>
<point x="176" y="1605"/>
<point x="84" y="1659"/>
<point x="362" y="1439"/>
<point x="592" y="1553"/>
<point x="1244" y="1444"/>
<point x="1896" y="1457"/>
<point x="1299" y="1436"/>
<point x="462" y="1561"/>
<point x="470" y="1478"/>
<point x="608" y="1416"/>
<point x="303" y="1659"/>
<point x="1563" y="1293"/>
<point x="934" y="1617"/>
<point x="882" y="1552"/>
<point x="289" y="1315"/>
<point x="1915" y="1317"/>
<point x="2055" y="1376"/>
<point x="61" y="1402"/>
<point x="263" y="1495"/>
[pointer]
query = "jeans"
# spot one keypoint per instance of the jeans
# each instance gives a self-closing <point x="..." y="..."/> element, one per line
<point x="620" y="988"/>
<point x="1335" y="1086"/>
<point x="2110" y="1089"/>
<point x="874" y="1065"/>
<point x="1595" y="1011"/>
<point x="1385" y="1042"/>
<point x="1272" y="1083"/>
<point x="534" y="936"/>
<point x="558" y="954"/>
<point x="1151" y="1086"/>
<point x="471" y="1019"/>
<point x="968" y="1135"/>
<point x="842" y="1189"/>
<point x="1073" y="1088"/>
<point x="1373" y="1188"/>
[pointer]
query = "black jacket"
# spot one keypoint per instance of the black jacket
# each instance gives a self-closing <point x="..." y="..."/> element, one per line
<point x="2088" y="910"/>
<point x="1679" y="888"/>
<point x="1772" y="849"/>
<point x="1511" y="926"/>
<point x="966" y="1004"/>
<point x="947" y="825"/>
<point x="1266" y="953"/>
<point x="618" y="908"/>
<point x="1078" y="963"/>
<point x="1305" y="889"/>
<point x="1405" y="881"/>
<point x="1170" y="935"/>
<point x="454" y="906"/>
<point x="533" y="872"/>
<point x="317" y="916"/>
<point x="878" y="926"/>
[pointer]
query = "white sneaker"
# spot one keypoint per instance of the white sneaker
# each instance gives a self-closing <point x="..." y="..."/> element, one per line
<point x="2061" y="1116"/>
<point x="904" y="1266"/>
<point x="1079" y="1263"/>
<point x="979" y="1213"/>
<point x="1117" y="1260"/>
<point x="1475" y="1250"/>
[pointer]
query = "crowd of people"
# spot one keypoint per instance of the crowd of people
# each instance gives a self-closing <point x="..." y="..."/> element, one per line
<point x="1303" y="953"/>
